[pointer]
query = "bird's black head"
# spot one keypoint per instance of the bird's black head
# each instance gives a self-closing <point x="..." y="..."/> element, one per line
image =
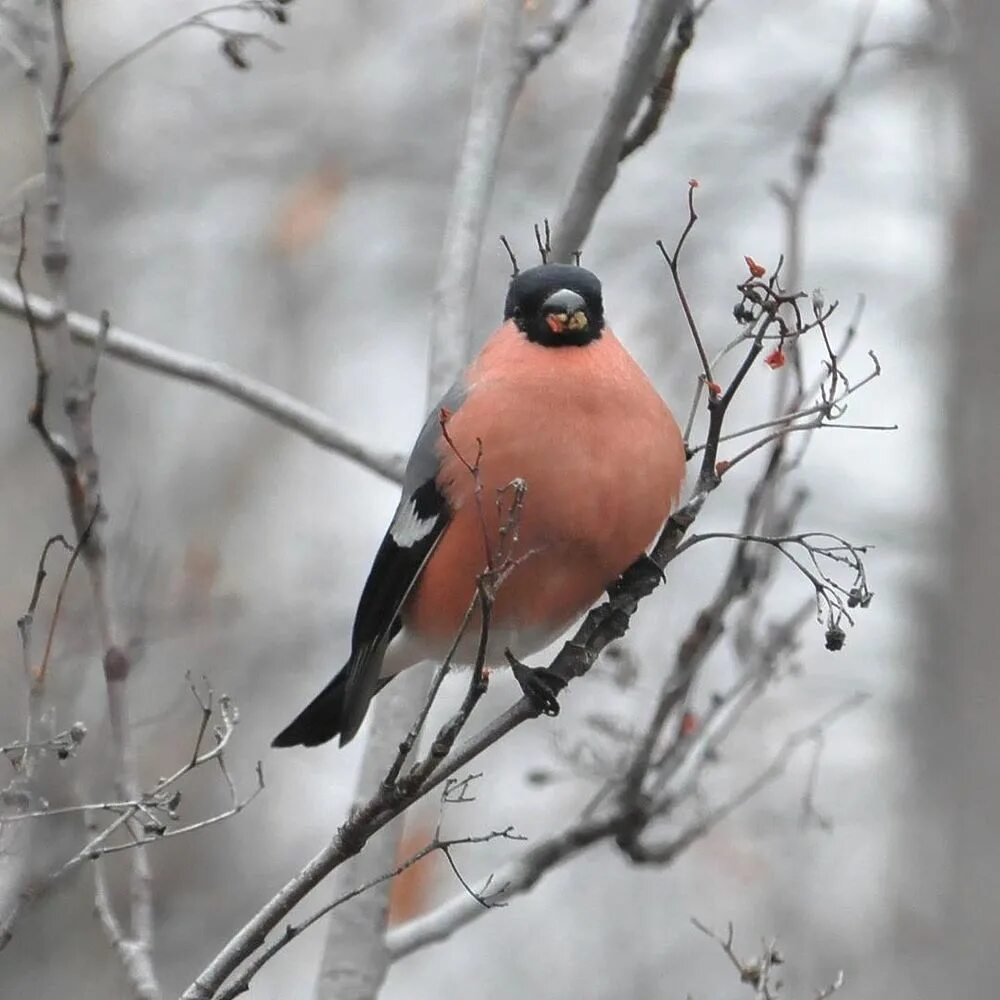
<point x="557" y="305"/>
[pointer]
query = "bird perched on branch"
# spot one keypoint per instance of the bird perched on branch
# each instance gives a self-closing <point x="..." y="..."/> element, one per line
<point x="549" y="466"/>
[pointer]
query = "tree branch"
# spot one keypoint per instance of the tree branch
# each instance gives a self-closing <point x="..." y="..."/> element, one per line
<point x="514" y="879"/>
<point x="241" y="984"/>
<point x="521" y="874"/>
<point x="217" y="376"/>
<point x="81" y="478"/>
<point x="662" y="94"/>
<point x="600" y="164"/>
<point x="550" y="36"/>
<point x="21" y="793"/>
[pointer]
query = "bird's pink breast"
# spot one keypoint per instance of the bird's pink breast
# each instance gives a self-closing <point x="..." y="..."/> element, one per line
<point x="603" y="461"/>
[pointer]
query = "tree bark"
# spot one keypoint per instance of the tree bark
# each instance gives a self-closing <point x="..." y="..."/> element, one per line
<point x="355" y="957"/>
<point x="957" y="732"/>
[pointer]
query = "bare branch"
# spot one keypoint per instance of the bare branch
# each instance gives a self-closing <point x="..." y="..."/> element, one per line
<point x="500" y="75"/>
<point x="147" y="816"/>
<point x="16" y="841"/>
<point x="521" y="874"/>
<point x="138" y="971"/>
<point x="241" y="984"/>
<point x="757" y="971"/>
<point x="217" y="376"/>
<point x="514" y="878"/>
<point x="236" y="40"/>
<point x="673" y="262"/>
<point x="80" y="473"/>
<point x="649" y="30"/>
<point x="662" y="94"/>
<point x="665" y="853"/>
<point x="550" y="36"/>
<point x="812" y="140"/>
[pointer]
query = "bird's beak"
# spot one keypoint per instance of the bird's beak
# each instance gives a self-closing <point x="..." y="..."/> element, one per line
<point x="565" y="310"/>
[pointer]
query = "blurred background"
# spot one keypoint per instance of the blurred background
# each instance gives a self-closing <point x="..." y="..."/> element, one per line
<point x="287" y="221"/>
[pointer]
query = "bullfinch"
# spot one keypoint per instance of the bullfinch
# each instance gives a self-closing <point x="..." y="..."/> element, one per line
<point x="553" y="401"/>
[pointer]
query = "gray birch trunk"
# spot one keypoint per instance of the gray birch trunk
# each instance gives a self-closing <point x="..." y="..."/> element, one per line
<point x="957" y="732"/>
<point x="355" y="958"/>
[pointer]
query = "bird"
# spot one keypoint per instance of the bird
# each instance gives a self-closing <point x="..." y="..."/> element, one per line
<point x="553" y="406"/>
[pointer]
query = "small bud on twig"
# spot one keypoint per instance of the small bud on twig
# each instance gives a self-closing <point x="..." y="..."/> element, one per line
<point x="835" y="638"/>
<point x="232" y="48"/>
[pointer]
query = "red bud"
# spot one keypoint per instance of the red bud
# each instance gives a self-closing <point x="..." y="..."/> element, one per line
<point x="776" y="359"/>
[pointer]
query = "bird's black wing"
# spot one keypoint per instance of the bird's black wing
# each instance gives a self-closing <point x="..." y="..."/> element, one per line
<point x="417" y="526"/>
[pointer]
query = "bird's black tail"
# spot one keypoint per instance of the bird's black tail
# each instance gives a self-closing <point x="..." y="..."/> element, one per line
<point x="322" y="718"/>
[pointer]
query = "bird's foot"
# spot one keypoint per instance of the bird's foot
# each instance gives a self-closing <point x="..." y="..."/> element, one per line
<point x="540" y="685"/>
<point x="644" y="571"/>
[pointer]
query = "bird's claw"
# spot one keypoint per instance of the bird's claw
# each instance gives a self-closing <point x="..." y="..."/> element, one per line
<point x="540" y="685"/>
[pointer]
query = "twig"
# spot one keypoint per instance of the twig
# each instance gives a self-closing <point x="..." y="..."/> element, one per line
<point x="544" y="242"/>
<point x="521" y="874"/>
<point x="673" y="262"/>
<point x="152" y="810"/>
<point x="63" y="745"/>
<point x="665" y="852"/>
<point x="660" y="97"/>
<point x="37" y="674"/>
<point x="515" y="878"/>
<point x="241" y="984"/>
<point x="16" y="841"/>
<point x="409" y="742"/>
<point x="807" y="159"/>
<point x="138" y="971"/>
<point x="514" y="270"/>
<point x="756" y="972"/>
<point x="200" y="20"/>
<point x="749" y="972"/>
<point x="832" y="595"/>
<point x="272" y="403"/>
<point x="55" y="445"/>
<point x="828" y="991"/>
<point x="80" y="472"/>
<point x="449" y="732"/>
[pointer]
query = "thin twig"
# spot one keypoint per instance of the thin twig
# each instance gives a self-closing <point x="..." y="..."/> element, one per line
<point x="665" y="852"/>
<point x="661" y="96"/>
<point x="241" y="984"/>
<point x="673" y="262"/>
<point x="200" y="20"/>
